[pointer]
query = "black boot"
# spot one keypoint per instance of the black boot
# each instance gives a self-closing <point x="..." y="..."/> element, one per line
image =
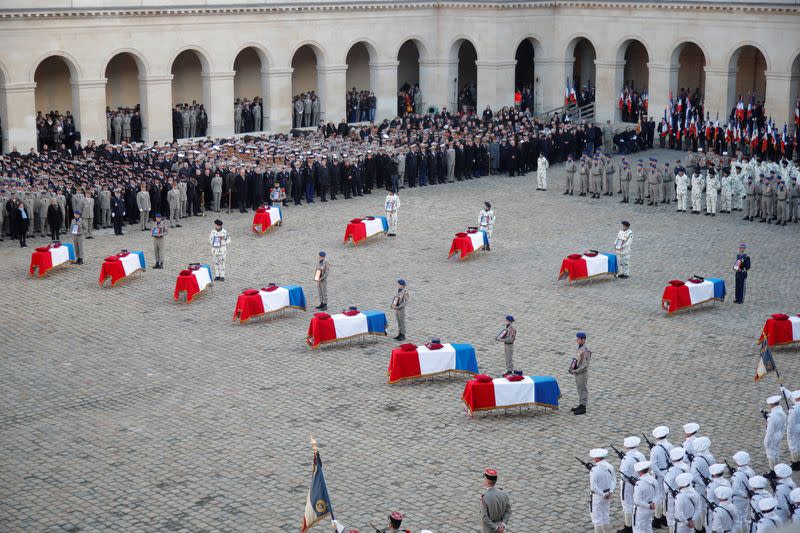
<point x="626" y="529"/>
<point x="581" y="410"/>
<point x="400" y="337"/>
<point x="795" y="465"/>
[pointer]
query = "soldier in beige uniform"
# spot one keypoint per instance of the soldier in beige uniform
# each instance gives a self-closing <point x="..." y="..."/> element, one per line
<point x="641" y="183"/>
<point x="653" y="182"/>
<point x="174" y="202"/>
<point x="507" y="337"/>
<point x="321" y="277"/>
<point x="495" y="506"/>
<point x="569" y="170"/>
<point x="143" y="203"/>
<point x="584" y="176"/>
<point x="625" y="177"/>
<point x="105" y="207"/>
<point x="88" y="214"/>
<point x="597" y="177"/>
<point x="399" y="303"/>
<point x="580" y="369"/>
<point x="158" y="232"/>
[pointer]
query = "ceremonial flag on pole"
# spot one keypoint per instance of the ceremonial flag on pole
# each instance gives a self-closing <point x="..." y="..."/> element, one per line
<point x="566" y="93"/>
<point x="318" y="503"/>
<point x="573" y="97"/>
<point x="621" y="99"/>
<point x="766" y="363"/>
<point x="797" y="113"/>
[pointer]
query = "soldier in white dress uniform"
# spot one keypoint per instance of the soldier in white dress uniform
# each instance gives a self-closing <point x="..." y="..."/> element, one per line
<point x="601" y="485"/>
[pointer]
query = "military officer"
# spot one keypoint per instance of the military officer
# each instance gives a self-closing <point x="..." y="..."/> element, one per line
<point x="751" y="205"/>
<point x="399" y="303"/>
<point x="184" y="197"/>
<point x="712" y="187"/>
<point x="486" y="220"/>
<point x="495" y="506"/>
<point x="601" y="485"/>
<point x="698" y="183"/>
<point x="507" y="337"/>
<point x="174" y="202"/>
<point x="542" y="164"/>
<point x="609" y="169"/>
<point x="77" y="231"/>
<point x="741" y="267"/>
<point x="216" y="191"/>
<point x="569" y="170"/>
<point x="158" y="232"/>
<point x="782" y="197"/>
<point x="88" y="217"/>
<point x="776" y="425"/>
<point x="117" y="212"/>
<point x="143" y="203"/>
<point x="321" y="277"/>
<point x="629" y="460"/>
<point x="580" y="369"/>
<point x="625" y="177"/>
<point x="682" y="189"/>
<point x="644" y="496"/>
<point x="105" y="207"/>
<point x="767" y="193"/>
<point x="623" y="247"/>
<point x="219" y="240"/>
<point x="391" y="205"/>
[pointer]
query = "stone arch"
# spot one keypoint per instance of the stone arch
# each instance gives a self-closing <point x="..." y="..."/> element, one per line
<point x="410" y="76"/>
<point x="71" y="62"/>
<point x="422" y="48"/>
<point x="250" y="87"/>
<point x="138" y="56"/>
<point x="688" y="60"/>
<point x="463" y="73"/>
<point x="123" y="72"/>
<point x="190" y="91"/>
<point x="750" y="64"/>
<point x="55" y="74"/>
<point x="580" y="54"/>
<point x="525" y="79"/>
<point x="307" y="60"/>
<point x="319" y="52"/>
<point x="794" y="87"/>
<point x="262" y="51"/>
<point x="359" y="56"/>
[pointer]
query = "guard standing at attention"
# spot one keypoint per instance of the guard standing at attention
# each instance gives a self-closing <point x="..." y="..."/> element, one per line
<point x="321" y="277"/>
<point x="399" y="303"/>
<point x="580" y="369"/>
<point x="741" y="267"/>
<point x="507" y="337"/>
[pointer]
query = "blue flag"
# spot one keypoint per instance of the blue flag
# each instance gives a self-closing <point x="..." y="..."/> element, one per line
<point x="766" y="363"/>
<point x="318" y="503"/>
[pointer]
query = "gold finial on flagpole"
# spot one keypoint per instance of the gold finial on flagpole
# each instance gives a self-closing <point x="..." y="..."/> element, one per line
<point x="313" y="443"/>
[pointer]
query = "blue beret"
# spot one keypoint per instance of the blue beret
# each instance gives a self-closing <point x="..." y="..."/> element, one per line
<point x="510" y="318"/>
<point x="401" y="282"/>
<point x="653" y="159"/>
<point x="77" y="211"/>
<point x="641" y="161"/>
<point x="580" y="335"/>
<point x="322" y="254"/>
<point x="157" y="215"/>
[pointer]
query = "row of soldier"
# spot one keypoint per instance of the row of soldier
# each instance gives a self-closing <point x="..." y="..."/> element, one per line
<point x="767" y="191"/>
<point x="189" y="120"/>
<point x="685" y="489"/>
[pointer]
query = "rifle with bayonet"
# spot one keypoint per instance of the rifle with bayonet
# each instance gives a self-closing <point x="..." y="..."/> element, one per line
<point x="628" y="478"/>
<point x="586" y="464"/>
<point x="672" y="491"/>
<point x="730" y="470"/>
<point x="649" y="443"/>
<point x="711" y="505"/>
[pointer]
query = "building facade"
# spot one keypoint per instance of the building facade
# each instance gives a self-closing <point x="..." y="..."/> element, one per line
<point x="87" y="55"/>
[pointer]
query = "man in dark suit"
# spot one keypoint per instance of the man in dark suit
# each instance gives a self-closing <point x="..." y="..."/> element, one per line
<point x="117" y="212"/>
<point x="741" y="267"/>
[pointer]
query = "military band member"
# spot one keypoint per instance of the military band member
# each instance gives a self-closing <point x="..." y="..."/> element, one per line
<point x="321" y="277"/>
<point x="602" y="479"/>
<point x="623" y="247"/>
<point x="569" y="170"/>
<point x="495" y="506"/>
<point x="776" y="425"/>
<point x="158" y="232"/>
<point x="399" y="303"/>
<point x="219" y="240"/>
<point x="486" y="222"/>
<point x="507" y="337"/>
<point x="391" y="205"/>
<point x="580" y="369"/>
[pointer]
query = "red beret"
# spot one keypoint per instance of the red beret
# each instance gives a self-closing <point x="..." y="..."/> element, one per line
<point x="396" y="515"/>
<point x="490" y="473"/>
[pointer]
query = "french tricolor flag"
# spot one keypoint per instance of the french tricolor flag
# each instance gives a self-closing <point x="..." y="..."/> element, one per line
<point x="325" y="328"/>
<point x="485" y="394"/>
<point x="409" y="361"/>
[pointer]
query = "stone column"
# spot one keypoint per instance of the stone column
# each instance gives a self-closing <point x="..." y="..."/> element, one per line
<point x="663" y="78"/>
<point x="332" y="83"/>
<point x="436" y="82"/>
<point x="19" y="114"/>
<point x="495" y="84"/>
<point x="218" y="101"/>
<point x="156" y="97"/>
<point x="383" y="81"/>
<point x="551" y="74"/>
<point x="89" y="106"/>
<point x="720" y="90"/>
<point x="778" y="100"/>
<point x="608" y="81"/>
<point x="278" y="100"/>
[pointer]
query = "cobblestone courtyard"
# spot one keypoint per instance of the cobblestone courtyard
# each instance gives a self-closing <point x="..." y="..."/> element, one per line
<point x="121" y="410"/>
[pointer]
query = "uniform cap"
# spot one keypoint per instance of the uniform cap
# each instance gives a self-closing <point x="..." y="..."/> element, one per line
<point x="691" y="427"/>
<point x="782" y="470"/>
<point x="322" y="254"/>
<point x="758" y="482"/>
<point x="660" y="432"/>
<point x="580" y="335"/>
<point x="510" y="318"/>
<point x="742" y="245"/>
<point x="641" y="466"/>
<point x="684" y="480"/>
<point x="598" y="453"/>
<point x="767" y="504"/>
<point x="741" y="458"/>
<point x="796" y="395"/>
<point x="218" y="222"/>
<point x="716" y="469"/>
<point x="774" y="400"/>
<point x="157" y="215"/>
<point x="77" y="211"/>
<point x="631" y="442"/>
<point x="701" y="444"/>
<point x="677" y="453"/>
<point x="396" y="515"/>
<point x="722" y="493"/>
<point x="625" y="223"/>
<point x="795" y="495"/>
<point x="490" y="474"/>
<point x="401" y="282"/>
